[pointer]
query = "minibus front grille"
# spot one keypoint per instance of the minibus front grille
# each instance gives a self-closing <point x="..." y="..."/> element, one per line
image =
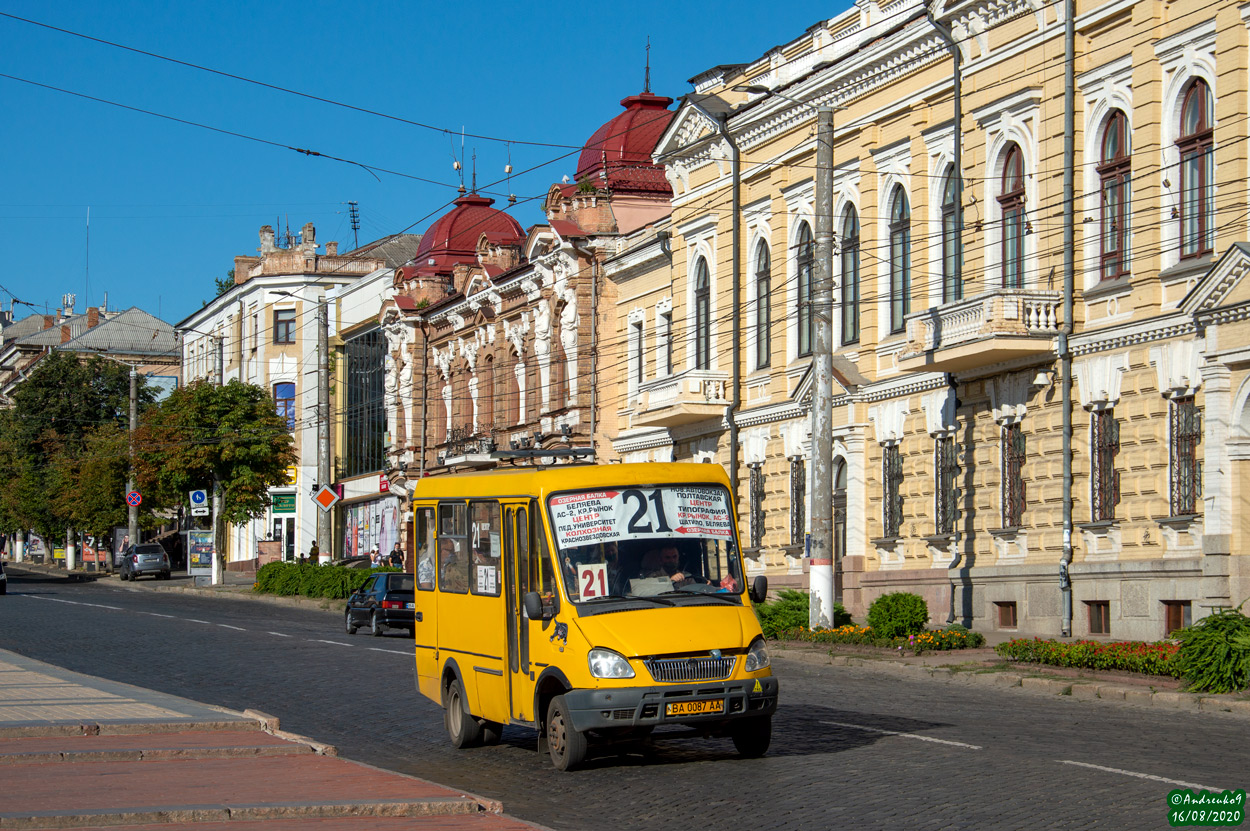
<point x="690" y="669"/>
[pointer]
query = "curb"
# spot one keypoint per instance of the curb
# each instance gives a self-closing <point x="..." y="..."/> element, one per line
<point x="1040" y="684"/>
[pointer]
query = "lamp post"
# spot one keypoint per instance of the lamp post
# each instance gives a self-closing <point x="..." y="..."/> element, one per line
<point x="823" y="568"/>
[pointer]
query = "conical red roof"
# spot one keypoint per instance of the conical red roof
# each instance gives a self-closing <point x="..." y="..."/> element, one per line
<point x="627" y="140"/>
<point x="452" y="239"/>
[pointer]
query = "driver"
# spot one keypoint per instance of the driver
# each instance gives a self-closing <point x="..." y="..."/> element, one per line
<point x="670" y="566"/>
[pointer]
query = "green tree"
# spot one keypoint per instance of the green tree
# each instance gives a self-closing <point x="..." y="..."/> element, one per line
<point x="224" y="284"/>
<point x="231" y="434"/>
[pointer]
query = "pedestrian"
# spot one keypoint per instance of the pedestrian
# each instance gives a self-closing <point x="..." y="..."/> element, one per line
<point x="397" y="556"/>
<point x="313" y="552"/>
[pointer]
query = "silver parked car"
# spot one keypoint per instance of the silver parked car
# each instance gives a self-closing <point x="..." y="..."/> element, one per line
<point x="145" y="558"/>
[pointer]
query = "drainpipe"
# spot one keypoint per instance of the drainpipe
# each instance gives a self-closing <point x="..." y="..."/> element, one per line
<point x="1065" y="354"/>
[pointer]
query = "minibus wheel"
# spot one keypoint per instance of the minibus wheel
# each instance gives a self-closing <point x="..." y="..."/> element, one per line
<point x="752" y="736"/>
<point x="566" y="744"/>
<point x="461" y="726"/>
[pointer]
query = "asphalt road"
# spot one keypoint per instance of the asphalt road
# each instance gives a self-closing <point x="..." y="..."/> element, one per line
<point x="851" y="748"/>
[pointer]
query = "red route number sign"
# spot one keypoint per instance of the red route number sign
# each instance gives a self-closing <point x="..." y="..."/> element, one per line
<point x="592" y="579"/>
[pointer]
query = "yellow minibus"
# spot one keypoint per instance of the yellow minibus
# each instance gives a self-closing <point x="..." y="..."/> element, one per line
<point x="589" y="602"/>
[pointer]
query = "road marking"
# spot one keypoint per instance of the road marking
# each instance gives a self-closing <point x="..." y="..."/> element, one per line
<point x="77" y="603"/>
<point x="916" y="736"/>
<point x="336" y="643"/>
<point x="194" y="620"/>
<point x="158" y="614"/>
<point x="280" y="634"/>
<point x="1191" y="785"/>
<point x="235" y="628"/>
<point x="392" y="651"/>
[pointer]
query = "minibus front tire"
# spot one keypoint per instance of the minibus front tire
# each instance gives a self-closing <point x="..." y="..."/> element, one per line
<point x="462" y="727"/>
<point x="566" y="744"/>
<point x="751" y="736"/>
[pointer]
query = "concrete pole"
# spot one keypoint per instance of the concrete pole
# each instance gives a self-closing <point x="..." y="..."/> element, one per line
<point x="19" y="548"/>
<point x="71" y="558"/>
<point x="823" y="568"/>
<point x="324" y="545"/>
<point x="132" y="514"/>
<point x="1069" y="276"/>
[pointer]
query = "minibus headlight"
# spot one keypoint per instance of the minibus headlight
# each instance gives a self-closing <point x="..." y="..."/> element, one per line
<point x="604" y="663"/>
<point x="757" y="656"/>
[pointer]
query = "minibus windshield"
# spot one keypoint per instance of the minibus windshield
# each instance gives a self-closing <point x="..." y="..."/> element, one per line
<point x="658" y="542"/>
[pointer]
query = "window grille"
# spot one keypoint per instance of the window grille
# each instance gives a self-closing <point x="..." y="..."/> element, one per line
<point x="364" y="417"/>
<point x="1105" y="479"/>
<point x="757" y="506"/>
<point x="1013" y="476"/>
<point x="946" y="465"/>
<point x="798" y="499"/>
<point x="1186" y="430"/>
<point x="892" y="507"/>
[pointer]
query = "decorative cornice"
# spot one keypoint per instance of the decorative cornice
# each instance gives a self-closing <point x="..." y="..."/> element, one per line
<point x="1174" y="326"/>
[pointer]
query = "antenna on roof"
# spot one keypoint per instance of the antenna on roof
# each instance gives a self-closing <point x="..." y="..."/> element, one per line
<point x="646" y="84"/>
<point x="86" y="279"/>
<point x="474" y="170"/>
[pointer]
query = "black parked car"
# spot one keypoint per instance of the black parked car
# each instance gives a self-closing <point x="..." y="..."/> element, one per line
<point x="385" y="602"/>
<point x="145" y="558"/>
<point x="4" y="579"/>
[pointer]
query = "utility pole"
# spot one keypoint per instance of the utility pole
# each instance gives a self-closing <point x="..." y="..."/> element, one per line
<point x="824" y="570"/>
<point x="132" y="514"/>
<point x="218" y="536"/>
<point x="324" y="546"/>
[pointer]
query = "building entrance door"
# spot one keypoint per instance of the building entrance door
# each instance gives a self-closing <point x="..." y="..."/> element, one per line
<point x="284" y="530"/>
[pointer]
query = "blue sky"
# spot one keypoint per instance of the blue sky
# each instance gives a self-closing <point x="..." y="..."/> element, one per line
<point x="171" y="205"/>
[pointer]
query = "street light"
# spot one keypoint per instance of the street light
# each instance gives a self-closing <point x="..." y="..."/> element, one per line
<point x="823" y="567"/>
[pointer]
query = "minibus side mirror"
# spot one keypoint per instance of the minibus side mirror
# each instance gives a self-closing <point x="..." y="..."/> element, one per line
<point x="759" y="588"/>
<point x="533" y="605"/>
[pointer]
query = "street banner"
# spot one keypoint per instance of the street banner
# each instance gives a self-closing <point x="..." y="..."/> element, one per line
<point x="199" y="552"/>
<point x="121" y="541"/>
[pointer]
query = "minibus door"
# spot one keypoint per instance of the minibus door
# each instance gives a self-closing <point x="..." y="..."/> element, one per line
<point x="425" y="615"/>
<point x="516" y="567"/>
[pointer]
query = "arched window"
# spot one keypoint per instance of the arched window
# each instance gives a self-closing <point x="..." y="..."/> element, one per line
<point x="702" y="316"/>
<point x="805" y="257"/>
<point x="763" y="305"/>
<point x="900" y="260"/>
<point x="1113" y="184"/>
<point x="1011" y="204"/>
<point x="952" y="286"/>
<point x="850" y="276"/>
<point x="1195" y="143"/>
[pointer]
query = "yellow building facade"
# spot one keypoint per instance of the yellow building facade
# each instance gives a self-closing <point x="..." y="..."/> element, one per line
<point x="949" y="460"/>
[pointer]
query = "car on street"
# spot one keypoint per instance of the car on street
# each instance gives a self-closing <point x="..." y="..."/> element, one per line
<point x="148" y="558"/>
<point x="4" y="579"/>
<point x="384" y="602"/>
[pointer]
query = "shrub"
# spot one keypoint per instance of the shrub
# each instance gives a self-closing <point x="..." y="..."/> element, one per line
<point x="1214" y="653"/>
<point x="791" y="611"/>
<point x="1130" y="656"/>
<point x="289" y="579"/>
<point x="898" y="613"/>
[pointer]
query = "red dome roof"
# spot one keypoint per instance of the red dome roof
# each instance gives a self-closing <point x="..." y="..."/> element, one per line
<point x="628" y="139"/>
<point x="453" y="237"/>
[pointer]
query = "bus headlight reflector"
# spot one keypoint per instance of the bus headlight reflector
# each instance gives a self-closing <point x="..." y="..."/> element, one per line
<point x="604" y="663"/>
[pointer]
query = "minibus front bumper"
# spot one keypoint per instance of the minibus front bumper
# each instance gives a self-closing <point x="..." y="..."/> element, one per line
<point x="672" y="704"/>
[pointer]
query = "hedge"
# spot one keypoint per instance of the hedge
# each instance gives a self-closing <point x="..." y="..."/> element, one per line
<point x="289" y="579"/>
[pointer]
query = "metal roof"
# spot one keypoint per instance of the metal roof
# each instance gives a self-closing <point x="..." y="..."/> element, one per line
<point x="396" y="249"/>
<point x="132" y="332"/>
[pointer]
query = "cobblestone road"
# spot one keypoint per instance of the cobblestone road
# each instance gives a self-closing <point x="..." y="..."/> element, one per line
<point x="851" y="748"/>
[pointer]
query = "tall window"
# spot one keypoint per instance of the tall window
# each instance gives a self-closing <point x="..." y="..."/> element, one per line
<point x="666" y="352"/>
<point x="952" y="286"/>
<point x="1114" y="178"/>
<point x="702" y="316"/>
<point x="900" y="260"/>
<point x="639" y="357"/>
<point x="946" y="494"/>
<point x="892" y="477"/>
<point x="1195" y="142"/>
<point x="284" y="326"/>
<point x="1104" y="478"/>
<point x="757" y="505"/>
<point x="364" y="417"/>
<point x="850" y="276"/>
<point x="798" y="500"/>
<point x="805" y="256"/>
<point x="1013" y="476"/>
<point x="1186" y="473"/>
<point x="284" y="399"/>
<point x="763" y="306"/>
<point x="1011" y="205"/>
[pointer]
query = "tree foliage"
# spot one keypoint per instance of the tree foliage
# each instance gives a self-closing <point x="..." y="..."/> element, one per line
<point x="201" y="433"/>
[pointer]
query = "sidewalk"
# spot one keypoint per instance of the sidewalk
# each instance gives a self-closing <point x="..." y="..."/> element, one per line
<point x="83" y="752"/>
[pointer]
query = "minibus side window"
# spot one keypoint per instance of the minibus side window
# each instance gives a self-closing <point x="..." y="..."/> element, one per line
<point x="485" y="543"/>
<point x="544" y="574"/>
<point x="453" y="553"/>
<point x="425" y="544"/>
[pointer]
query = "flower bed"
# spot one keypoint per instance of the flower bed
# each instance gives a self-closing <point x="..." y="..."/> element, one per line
<point x="934" y="640"/>
<point x="1131" y="656"/>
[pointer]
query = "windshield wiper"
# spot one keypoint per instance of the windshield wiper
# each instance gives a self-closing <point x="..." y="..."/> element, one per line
<point x="726" y="596"/>
<point x="629" y="597"/>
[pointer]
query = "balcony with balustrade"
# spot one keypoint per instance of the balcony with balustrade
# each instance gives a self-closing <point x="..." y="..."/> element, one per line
<point x="684" y="398"/>
<point x="996" y="326"/>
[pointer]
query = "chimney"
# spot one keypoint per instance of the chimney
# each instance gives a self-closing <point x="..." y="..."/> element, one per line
<point x="93" y="317"/>
<point x="308" y="238"/>
<point x="332" y="249"/>
<point x="65" y="334"/>
<point x="48" y="321"/>
<point x="266" y="240"/>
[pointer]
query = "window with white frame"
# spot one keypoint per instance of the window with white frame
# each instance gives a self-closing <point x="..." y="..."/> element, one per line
<point x="900" y="260"/>
<point x="952" y="286"/>
<point x="850" y="275"/>
<point x="805" y="260"/>
<point x="664" y="333"/>
<point x="1011" y="207"/>
<point x="702" y="316"/>
<point x="1195" y="143"/>
<point x="636" y="350"/>
<point x="1114" y="179"/>
<point x="763" y="305"/>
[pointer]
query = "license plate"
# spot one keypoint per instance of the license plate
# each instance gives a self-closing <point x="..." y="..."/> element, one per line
<point x="694" y="708"/>
<point x="410" y="605"/>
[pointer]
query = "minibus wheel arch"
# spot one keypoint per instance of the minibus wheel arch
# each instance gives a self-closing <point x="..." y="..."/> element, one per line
<point x="551" y="682"/>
